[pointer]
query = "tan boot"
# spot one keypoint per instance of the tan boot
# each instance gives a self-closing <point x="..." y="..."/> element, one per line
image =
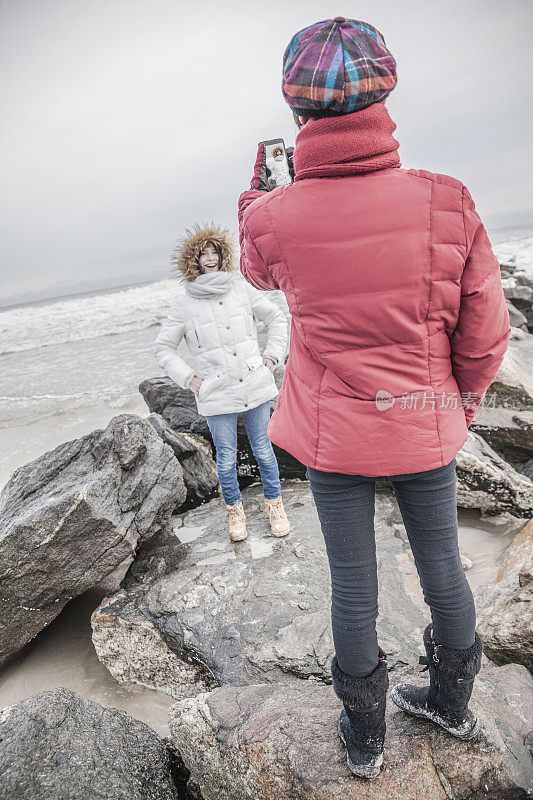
<point x="236" y="522"/>
<point x="279" y="524"/>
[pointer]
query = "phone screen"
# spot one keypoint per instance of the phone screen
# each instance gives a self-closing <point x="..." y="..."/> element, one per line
<point x="277" y="163"/>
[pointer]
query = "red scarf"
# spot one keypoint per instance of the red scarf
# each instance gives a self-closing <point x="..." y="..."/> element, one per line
<point x="349" y="144"/>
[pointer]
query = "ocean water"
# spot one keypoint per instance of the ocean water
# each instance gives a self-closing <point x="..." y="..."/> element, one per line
<point x="514" y="245"/>
<point x="68" y="366"/>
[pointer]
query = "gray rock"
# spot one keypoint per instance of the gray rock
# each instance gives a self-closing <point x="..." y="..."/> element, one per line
<point x="507" y="431"/>
<point x="527" y="469"/>
<point x="196" y="458"/>
<point x="505" y="606"/>
<point x="279" y="742"/>
<point x="521" y="296"/>
<point x="522" y="278"/>
<point x="516" y="318"/>
<point x="196" y="611"/>
<point x="206" y="612"/>
<point x="70" y="517"/>
<point x="505" y="416"/>
<point x="508" y="265"/>
<point x="487" y="482"/>
<point x="513" y="385"/>
<point x="57" y="746"/>
<point x="516" y="290"/>
<point x="177" y="406"/>
<point x="519" y="290"/>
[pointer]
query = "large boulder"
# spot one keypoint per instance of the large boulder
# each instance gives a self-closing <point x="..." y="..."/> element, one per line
<point x="280" y="742"/>
<point x="517" y="290"/>
<point x="509" y="432"/>
<point x="513" y="385"/>
<point x="486" y="482"/>
<point x="516" y="318"/>
<point x="505" y="605"/>
<point x="505" y="417"/>
<point x="177" y="406"/>
<point x="73" y="515"/>
<point x="57" y="746"/>
<point x="527" y="469"/>
<point x="196" y="458"/>
<point x="196" y="610"/>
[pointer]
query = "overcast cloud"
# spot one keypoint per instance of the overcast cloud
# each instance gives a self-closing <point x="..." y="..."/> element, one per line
<point x="125" y="121"/>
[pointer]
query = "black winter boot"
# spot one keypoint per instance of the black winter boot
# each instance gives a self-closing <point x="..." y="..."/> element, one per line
<point x="362" y="720"/>
<point x="451" y="677"/>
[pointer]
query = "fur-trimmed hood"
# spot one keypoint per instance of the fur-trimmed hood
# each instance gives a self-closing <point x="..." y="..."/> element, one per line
<point x="185" y="258"/>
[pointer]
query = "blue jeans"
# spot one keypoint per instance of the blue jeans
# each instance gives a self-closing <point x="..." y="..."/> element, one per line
<point x="428" y="505"/>
<point x="223" y="429"/>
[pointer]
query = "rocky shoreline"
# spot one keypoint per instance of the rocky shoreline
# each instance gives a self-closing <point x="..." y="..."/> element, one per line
<point x="239" y="634"/>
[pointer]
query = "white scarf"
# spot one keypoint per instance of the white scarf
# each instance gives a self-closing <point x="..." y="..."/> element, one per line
<point x="210" y="283"/>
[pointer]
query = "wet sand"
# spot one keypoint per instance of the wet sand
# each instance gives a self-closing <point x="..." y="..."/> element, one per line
<point x="63" y="655"/>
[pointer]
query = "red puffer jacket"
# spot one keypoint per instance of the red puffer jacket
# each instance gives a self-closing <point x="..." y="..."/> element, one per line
<point x="399" y="322"/>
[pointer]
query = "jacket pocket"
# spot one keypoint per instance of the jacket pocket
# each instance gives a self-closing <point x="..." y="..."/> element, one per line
<point x="214" y="382"/>
<point x="254" y="362"/>
<point x="203" y="386"/>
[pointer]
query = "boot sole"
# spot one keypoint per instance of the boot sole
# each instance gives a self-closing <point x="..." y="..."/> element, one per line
<point x="433" y="716"/>
<point x="360" y="770"/>
<point x="280" y="534"/>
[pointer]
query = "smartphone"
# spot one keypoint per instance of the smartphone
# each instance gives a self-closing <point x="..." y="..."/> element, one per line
<point x="277" y="163"/>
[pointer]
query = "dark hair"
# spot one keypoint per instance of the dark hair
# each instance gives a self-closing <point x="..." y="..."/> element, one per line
<point x="314" y="115"/>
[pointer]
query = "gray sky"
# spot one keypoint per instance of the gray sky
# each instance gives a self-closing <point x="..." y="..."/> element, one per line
<point x="125" y="121"/>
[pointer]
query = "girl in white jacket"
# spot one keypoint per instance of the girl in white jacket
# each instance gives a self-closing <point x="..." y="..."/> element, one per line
<point x="216" y="315"/>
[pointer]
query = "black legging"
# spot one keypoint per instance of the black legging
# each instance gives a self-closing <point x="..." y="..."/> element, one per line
<point x="428" y="504"/>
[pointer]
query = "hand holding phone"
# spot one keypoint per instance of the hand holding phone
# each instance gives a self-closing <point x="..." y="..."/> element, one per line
<point x="273" y="165"/>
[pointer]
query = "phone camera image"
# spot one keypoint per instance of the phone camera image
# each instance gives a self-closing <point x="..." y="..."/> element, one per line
<point x="277" y="164"/>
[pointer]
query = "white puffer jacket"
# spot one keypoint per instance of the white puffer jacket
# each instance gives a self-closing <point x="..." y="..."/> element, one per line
<point x="221" y="333"/>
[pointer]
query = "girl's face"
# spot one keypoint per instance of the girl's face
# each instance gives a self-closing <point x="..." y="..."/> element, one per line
<point x="208" y="258"/>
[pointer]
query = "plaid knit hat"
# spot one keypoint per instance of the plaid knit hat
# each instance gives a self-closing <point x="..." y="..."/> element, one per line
<point x="336" y="66"/>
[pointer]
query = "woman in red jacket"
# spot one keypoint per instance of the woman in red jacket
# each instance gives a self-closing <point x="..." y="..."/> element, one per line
<point x="398" y="327"/>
